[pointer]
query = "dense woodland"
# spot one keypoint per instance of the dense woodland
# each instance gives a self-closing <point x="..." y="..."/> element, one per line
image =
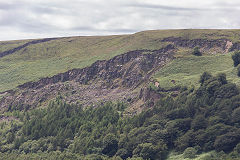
<point x="198" y="120"/>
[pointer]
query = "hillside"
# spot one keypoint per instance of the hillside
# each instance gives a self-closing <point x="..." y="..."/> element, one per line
<point x="187" y="70"/>
<point x="139" y="96"/>
<point x="199" y="124"/>
<point x="47" y="58"/>
<point x="89" y="70"/>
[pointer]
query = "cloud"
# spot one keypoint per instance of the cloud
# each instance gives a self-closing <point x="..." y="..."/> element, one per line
<point x="163" y="7"/>
<point x="20" y="19"/>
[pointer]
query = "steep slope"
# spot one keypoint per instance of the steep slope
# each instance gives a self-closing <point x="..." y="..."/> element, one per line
<point x="201" y="123"/>
<point x="106" y="80"/>
<point x="186" y="70"/>
<point x="110" y="80"/>
<point x="30" y="60"/>
<point x="123" y="77"/>
<point x="14" y="50"/>
<point x="42" y="114"/>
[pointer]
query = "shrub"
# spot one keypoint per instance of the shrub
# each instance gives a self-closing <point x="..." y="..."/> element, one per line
<point x="177" y="113"/>
<point x="237" y="148"/>
<point x="226" y="91"/>
<point x="196" y="52"/>
<point x="227" y="141"/>
<point x="10" y="137"/>
<point x="236" y="115"/>
<point x="238" y="71"/>
<point x="185" y="141"/>
<point x="199" y="123"/>
<point x="135" y="158"/>
<point x="205" y="76"/>
<point x="123" y="153"/>
<point x="221" y="77"/>
<point x="110" y="144"/>
<point x="146" y="151"/>
<point x="190" y="152"/>
<point x="236" y="58"/>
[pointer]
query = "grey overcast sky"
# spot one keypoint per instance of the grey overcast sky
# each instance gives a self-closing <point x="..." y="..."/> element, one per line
<point x="23" y="19"/>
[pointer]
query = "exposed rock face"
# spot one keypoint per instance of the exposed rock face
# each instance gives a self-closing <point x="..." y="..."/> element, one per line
<point x="149" y="95"/>
<point x="120" y="78"/>
<point x="130" y="67"/>
<point x="221" y="45"/>
<point x="113" y="79"/>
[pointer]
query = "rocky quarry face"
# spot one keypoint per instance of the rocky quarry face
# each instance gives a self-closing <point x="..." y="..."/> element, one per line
<point x="122" y="78"/>
<point x="114" y="79"/>
<point x="214" y="46"/>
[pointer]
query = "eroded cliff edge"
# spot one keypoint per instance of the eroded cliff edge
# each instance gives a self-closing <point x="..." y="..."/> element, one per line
<point x="122" y="78"/>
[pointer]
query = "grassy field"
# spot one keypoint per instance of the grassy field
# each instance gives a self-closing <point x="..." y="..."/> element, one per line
<point x="49" y="58"/>
<point x="186" y="70"/>
<point x="6" y="45"/>
<point x="203" y="156"/>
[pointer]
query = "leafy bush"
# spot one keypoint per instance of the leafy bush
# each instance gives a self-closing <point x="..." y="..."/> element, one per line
<point x="185" y="141"/>
<point x="227" y="141"/>
<point x="236" y="115"/>
<point x="205" y="76"/>
<point x="146" y="151"/>
<point x="196" y="52"/>
<point x="110" y="144"/>
<point x="123" y="153"/>
<point x="221" y="77"/>
<point x="190" y="152"/>
<point x="238" y="71"/>
<point x="199" y="122"/>
<point x="237" y="148"/>
<point x="226" y="91"/>
<point x="236" y="58"/>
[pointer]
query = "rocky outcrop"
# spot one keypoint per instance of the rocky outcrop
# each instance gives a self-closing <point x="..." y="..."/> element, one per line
<point x="222" y="45"/>
<point x="118" y="79"/>
<point x="147" y="94"/>
<point x="113" y="79"/>
<point x="129" y="67"/>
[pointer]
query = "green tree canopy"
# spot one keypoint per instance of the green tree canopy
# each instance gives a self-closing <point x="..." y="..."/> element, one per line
<point x="236" y="58"/>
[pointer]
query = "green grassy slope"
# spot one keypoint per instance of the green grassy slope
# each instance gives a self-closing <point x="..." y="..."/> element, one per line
<point x="187" y="70"/>
<point x="6" y="45"/>
<point x="49" y="58"/>
<point x="203" y="156"/>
